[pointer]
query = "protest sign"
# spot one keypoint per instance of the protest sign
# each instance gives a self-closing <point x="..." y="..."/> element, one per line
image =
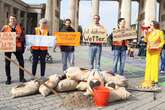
<point x="124" y="34"/>
<point x="7" y="41"/>
<point x="68" y="38"/>
<point x="38" y="40"/>
<point x="95" y="34"/>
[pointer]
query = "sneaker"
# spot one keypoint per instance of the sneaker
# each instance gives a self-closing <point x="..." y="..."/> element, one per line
<point x="22" y="80"/>
<point x="8" y="82"/>
<point x="162" y="72"/>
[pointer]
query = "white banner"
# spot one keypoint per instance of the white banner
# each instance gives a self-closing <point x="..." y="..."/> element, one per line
<point x="38" y="40"/>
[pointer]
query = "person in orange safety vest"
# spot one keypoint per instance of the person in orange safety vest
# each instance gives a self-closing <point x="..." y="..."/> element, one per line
<point x="13" y="26"/>
<point x="40" y="52"/>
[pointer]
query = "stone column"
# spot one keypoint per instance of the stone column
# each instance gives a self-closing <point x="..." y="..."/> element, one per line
<point x="53" y="14"/>
<point x="119" y="12"/>
<point x="2" y="18"/>
<point x="56" y="15"/>
<point x="150" y="11"/>
<point x="77" y="15"/>
<point x="25" y="21"/>
<point x="19" y="16"/>
<point x="72" y="11"/>
<point x="162" y="14"/>
<point x="95" y="7"/>
<point x="126" y="11"/>
<point x="11" y="11"/>
<point x="48" y="14"/>
<point x="38" y="17"/>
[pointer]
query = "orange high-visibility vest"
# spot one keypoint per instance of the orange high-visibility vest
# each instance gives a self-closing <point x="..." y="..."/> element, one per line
<point x="7" y="28"/>
<point x="120" y="43"/>
<point x="38" y="32"/>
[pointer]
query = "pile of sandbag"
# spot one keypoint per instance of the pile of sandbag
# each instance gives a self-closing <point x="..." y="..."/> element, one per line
<point x="77" y="78"/>
<point x="115" y="83"/>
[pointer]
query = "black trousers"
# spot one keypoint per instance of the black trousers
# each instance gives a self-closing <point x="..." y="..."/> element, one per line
<point x="20" y="59"/>
<point x="39" y="55"/>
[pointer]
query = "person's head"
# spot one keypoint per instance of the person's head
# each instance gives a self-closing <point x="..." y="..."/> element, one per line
<point x="43" y="23"/>
<point x="96" y="19"/>
<point x="12" y="20"/>
<point x="121" y="22"/>
<point x="154" y="25"/>
<point x="67" y="22"/>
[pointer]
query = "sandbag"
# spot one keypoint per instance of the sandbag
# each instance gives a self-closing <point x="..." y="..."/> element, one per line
<point x="66" y="85"/>
<point x="82" y="86"/>
<point x="107" y="76"/>
<point x="117" y="79"/>
<point x="25" y="89"/>
<point x="76" y="73"/>
<point x="121" y="80"/>
<point x="119" y="93"/>
<point x="94" y="75"/>
<point x="52" y="83"/>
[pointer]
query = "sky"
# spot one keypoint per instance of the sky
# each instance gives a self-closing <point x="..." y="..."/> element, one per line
<point x="108" y="12"/>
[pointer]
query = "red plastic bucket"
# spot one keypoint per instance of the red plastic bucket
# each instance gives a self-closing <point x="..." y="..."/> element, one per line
<point x="101" y="96"/>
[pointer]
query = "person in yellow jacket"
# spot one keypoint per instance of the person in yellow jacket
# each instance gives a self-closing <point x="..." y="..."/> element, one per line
<point x="155" y="41"/>
<point x="39" y="52"/>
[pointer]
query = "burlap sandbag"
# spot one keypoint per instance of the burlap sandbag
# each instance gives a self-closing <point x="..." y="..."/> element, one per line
<point x="107" y="76"/>
<point x="52" y="83"/>
<point x="66" y="85"/>
<point x="117" y="79"/>
<point x="94" y="75"/>
<point x="25" y="89"/>
<point x="82" y="86"/>
<point x="76" y="73"/>
<point x="119" y="93"/>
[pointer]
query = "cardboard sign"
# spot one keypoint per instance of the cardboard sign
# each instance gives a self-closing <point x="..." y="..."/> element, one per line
<point x="38" y="40"/>
<point x="95" y="34"/>
<point x="7" y="41"/>
<point x="126" y="34"/>
<point x="68" y="38"/>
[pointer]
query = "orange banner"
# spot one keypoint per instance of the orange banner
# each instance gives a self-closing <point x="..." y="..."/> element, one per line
<point x="7" y="41"/>
<point x="68" y="38"/>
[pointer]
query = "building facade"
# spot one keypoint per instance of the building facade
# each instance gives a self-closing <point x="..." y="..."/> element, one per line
<point x="27" y="15"/>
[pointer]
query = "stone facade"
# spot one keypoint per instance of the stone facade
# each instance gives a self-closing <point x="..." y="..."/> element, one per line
<point x="27" y="15"/>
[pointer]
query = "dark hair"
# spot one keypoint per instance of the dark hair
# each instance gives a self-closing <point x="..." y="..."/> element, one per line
<point x="67" y="20"/>
<point x="156" y="24"/>
<point x="120" y="19"/>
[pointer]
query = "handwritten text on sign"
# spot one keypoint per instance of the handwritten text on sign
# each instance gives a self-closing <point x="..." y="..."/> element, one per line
<point x="7" y="41"/>
<point x="95" y="34"/>
<point x="124" y="34"/>
<point x="37" y="40"/>
<point x="68" y="38"/>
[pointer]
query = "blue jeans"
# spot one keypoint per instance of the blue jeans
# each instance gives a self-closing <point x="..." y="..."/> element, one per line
<point x="162" y="67"/>
<point x="119" y="56"/>
<point x="67" y="57"/>
<point x="95" y="56"/>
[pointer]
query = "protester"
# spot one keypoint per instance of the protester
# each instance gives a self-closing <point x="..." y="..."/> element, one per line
<point x="95" y="49"/>
<point x="142" y="47"/>
<point x="162" y="66"/>
<point x="155" y="41"/>
<point x="119" y="49"/>
<point x="67" y="51"/>
<point x="40" y="52"/>
<point x="13" y="26"/>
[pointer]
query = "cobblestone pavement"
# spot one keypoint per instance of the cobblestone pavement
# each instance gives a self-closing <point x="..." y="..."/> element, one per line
<point x="134" y="69"/>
